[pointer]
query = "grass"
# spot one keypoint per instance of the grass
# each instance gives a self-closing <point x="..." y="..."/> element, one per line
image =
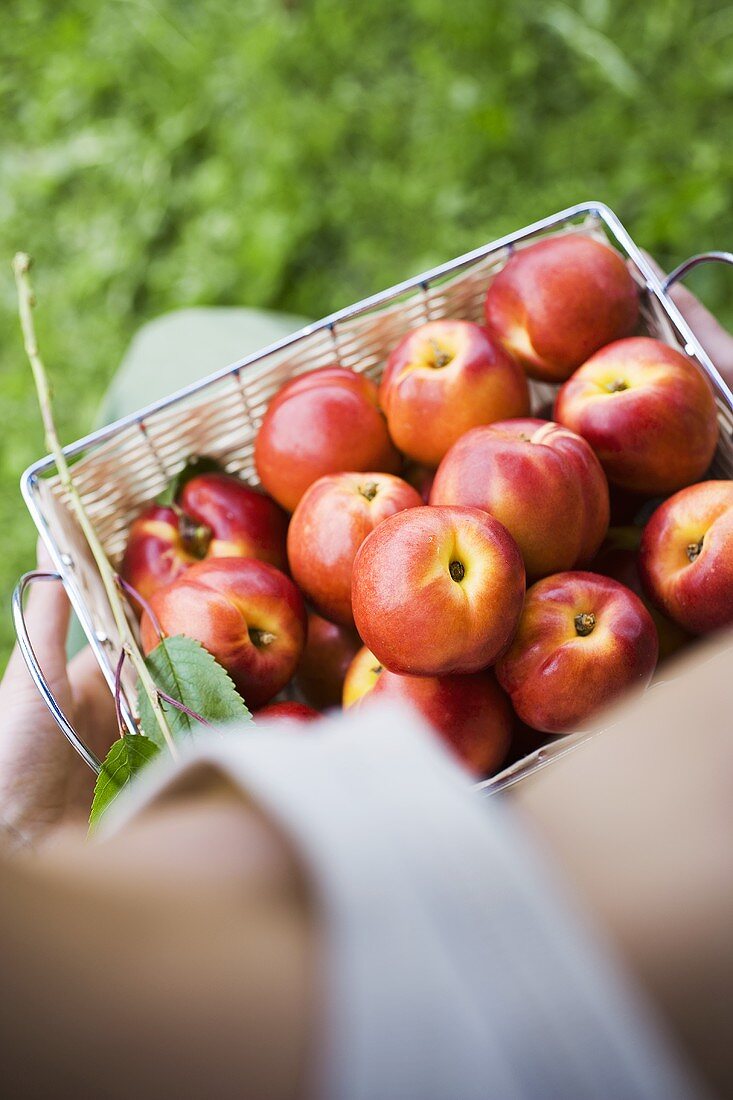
<point x="300" y="155"/>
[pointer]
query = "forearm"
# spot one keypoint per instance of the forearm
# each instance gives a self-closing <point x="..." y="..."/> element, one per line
<point x="135" y="979"/>
<point x="639" y="820"/>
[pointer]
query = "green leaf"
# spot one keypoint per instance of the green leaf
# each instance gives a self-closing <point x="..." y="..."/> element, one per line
<point x="201" y="464"/>
<point x="124" y="760"/>
<point x="186" y="671"/>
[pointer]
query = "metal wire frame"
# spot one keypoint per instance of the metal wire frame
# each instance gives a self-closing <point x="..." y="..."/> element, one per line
<point x="30" y="481"/>
<point x="29" y="656"/>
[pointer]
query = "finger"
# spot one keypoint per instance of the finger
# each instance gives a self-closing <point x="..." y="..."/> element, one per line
<point x="717" y="342"/>
<point x="43" y="558"/>
<point x="94" y="702"/>
<point x="658" y="271"/>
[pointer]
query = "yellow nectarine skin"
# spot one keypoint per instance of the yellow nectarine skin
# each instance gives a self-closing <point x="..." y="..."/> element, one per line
<point x="331" y="521"/>
<point x="541" y="481"/>
<point x="361" y="676"/>
<point x="437" y="590"/>
<point x="686" y="557"/>
<point x="559" y="300"/>
<point x="444" y="378"/>
<point x="648" y="413"/>
<point x="583" y="640"/>
<point x="471" y="713"/>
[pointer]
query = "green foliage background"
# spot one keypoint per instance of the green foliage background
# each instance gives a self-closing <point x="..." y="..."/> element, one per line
<point x="300" y="155"/>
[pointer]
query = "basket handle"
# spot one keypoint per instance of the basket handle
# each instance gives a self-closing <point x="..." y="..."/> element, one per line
<point x="687" y="265"/>
<point x="36" y="673"/>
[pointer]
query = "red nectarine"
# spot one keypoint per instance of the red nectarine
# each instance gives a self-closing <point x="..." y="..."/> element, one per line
<point x="246" y="613"/>
<point x="583" y="640"/>
<point x="331" y="521"/>
<point x="437" y="590"/>
<point x="329" y="650"/>
<point x="686" y="557"/>
<point x="444" y="378"/>
<point x="559" y="300"/>
<point x="215" y="516"/>
<point x="293" y="712"/>
<point x="320" y="423"/>
<point x="540" y="480"/>
<point x="648" y="413"/>
<point x="471" y="713"/>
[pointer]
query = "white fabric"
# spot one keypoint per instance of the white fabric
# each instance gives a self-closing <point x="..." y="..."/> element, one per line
<point x="454" y="968"/>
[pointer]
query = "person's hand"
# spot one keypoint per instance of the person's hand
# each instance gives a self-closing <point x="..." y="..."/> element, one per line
<point x="43" y="782"/>
<point x="716" y="340"/>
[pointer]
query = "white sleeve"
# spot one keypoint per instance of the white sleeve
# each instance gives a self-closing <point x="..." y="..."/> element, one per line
<point x="454" y="966"/>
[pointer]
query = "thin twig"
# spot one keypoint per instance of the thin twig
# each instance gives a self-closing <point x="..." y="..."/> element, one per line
<point x="173" y="702"/>
<point x="26" y="301"/>
<point x="144" y="604"/>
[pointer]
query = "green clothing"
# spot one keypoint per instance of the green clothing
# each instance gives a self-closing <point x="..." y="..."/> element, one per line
<point x="178" y="348"/>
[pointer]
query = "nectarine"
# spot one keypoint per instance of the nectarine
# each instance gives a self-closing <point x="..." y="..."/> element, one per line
<point x="471" y="713"/>
<point x="294" y="712"/>
<point x="331" y="521"/>
<point x="320" y="423"/>
<point x="329" y="650"/>
<point x="246" y="613"/>
<point x="647" y="412"/>
<point x="444" y="378"/>
<point x="215" y="516"/>
<point x="686" y="557"/>
<point x="540" y="480"/>
<point x="437" y="590"/>
<point x="583" y="640"/>
<point x="559" y="300"/>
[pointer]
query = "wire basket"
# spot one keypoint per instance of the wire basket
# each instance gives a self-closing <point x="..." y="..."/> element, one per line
<point x="122" y="467"/>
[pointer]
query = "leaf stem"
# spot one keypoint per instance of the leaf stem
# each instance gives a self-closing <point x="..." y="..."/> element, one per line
<point x="172" y="701"/>
<point x="26" y="301"/>
<point x="118" y="693"/>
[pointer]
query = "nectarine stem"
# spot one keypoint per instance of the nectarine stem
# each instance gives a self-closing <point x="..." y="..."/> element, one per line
<point x="618" y="386"/>
<point x="693" y="550"/>
<point x="26" y="301"/>
<point x="261" y="638"/>
<point x="442" y="358"/>
<point x="196" y="536"/>
<point x="369" y="490"/>
<point x="456" y="571"/>
<point x="584" y="623"/>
